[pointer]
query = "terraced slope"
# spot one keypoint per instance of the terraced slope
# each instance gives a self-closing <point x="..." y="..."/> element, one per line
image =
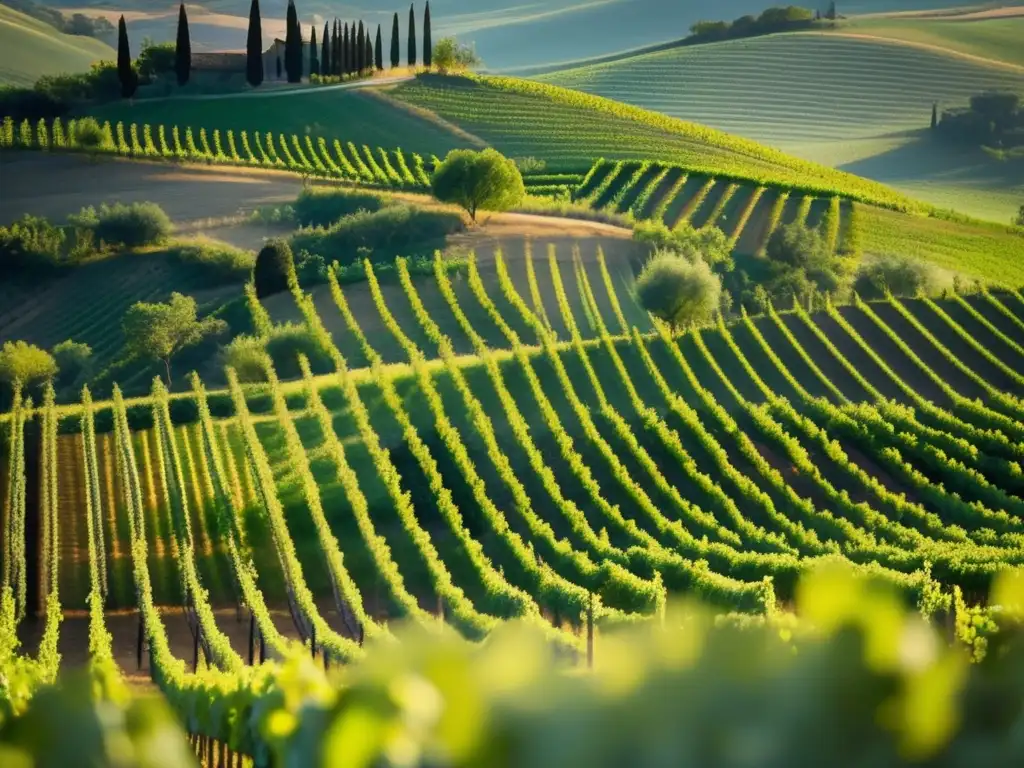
<point x="861" y="105"/>
<point x="33" y="49"/>
<point x="527" y="118"/>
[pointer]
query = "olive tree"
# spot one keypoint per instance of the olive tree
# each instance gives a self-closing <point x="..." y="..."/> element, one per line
<point x="679" y="291"/>
<point x="484" y="180"/>
<point x="453" y="56"/>
<point x="160" y="331"/>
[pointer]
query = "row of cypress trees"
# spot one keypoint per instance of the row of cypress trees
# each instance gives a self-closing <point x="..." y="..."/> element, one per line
<point x="344" y="50"/>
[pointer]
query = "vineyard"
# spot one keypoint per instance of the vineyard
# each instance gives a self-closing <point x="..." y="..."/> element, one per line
<point x="426" y="485"/>
<point x="569" y="128"/>
<point x="748" y="210"/>
<point x="515" y="442"/>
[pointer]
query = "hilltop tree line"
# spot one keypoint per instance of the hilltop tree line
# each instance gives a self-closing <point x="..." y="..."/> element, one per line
<point x="345" y="49"/>
<point x="774" y="19"/>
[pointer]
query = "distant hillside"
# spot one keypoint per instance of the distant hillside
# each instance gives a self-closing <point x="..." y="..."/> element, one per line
<point x="995" y="35"/>
<point x="860" y="105"/>
<point x="508" y="34"/>
<point x="32" y="48"/>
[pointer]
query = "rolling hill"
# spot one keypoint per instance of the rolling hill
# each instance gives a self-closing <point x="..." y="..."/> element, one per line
<point x="856" y="104"/>
<point x="32" y="49"/>
<point x="569" y="129"/>
<point x="331" y="114"/>
<point x="993" y="34"/>
<point x="507" y="34"/>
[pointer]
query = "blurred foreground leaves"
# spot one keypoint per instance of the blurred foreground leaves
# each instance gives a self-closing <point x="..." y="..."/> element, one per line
<point x="859" y="680"/>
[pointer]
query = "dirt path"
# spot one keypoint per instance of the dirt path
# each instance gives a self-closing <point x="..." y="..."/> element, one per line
<point x="200" y="198"/>
<point x="57" y="185"/>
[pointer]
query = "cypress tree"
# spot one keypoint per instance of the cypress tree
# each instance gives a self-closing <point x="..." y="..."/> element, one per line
<point x="394" y="41"/>
<point x="361" y="49"/>
<point x="293" y="45"/>
<point x="935" y="115"/>
<point x="353" y="61"/>
<point x="428" y="48"/>
<point x="125" y="71"/>
<point x="183" y="48"/>
<point x="412" y="37"/>
<point x="379" y="50"/>
<point x="336" y="58"/>
<point x="314" y="62"/>
<point x="368" y="58"/>
<point x="325" y="51"/>
<point x="254" y="47"/>
<point x="345" y="68"/>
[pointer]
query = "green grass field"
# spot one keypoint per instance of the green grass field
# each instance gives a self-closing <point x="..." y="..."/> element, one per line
<point x="32" y="49"/>
<point x="997" y="39"/>
<point x="336" y="114"/>
<point x="859" y="105"/>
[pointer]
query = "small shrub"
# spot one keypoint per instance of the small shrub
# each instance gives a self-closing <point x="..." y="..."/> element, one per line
<point x="1018" y="220"/>
<point x="273" y="214"/>
<point x="796" y="245"/>
<point x="530" y="164"/>
<point x="322" y="206"/>
<point x="220" y="262"/>
<point x="248" y="356"/>
<point x="901" y="277"/>
<point x="274" y="269"/>
<point x="287" y="342"/>
<point x="25" y="364"/>
<point x="131" y="226"/>
<point x="311" y="269"/>
<point x="74" y="360"/>
<point x="30" y="244"/>
<point x="568" y="209"/>
<point x="679" y="291"/>
<point x="398" y="230"/>
<point x="708" y="243"/>
<point x="88" y="134"/>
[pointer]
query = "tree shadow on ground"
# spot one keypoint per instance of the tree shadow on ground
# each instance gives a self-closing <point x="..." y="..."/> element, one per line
<point x="927" y="158"/>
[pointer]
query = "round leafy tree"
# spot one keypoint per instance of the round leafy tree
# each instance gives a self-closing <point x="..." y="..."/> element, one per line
<point x="23" y="364"/>
<point x="275" y="267"/>
<point x="475" y="181"/>
<point x="679" y="291"/>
